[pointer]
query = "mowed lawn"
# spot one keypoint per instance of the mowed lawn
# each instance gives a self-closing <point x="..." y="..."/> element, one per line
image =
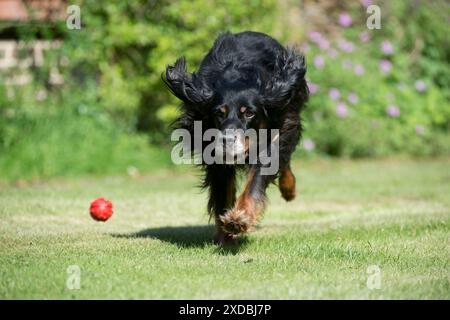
<point x="348" y="218"/>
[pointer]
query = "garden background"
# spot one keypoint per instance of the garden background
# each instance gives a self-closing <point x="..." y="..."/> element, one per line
<point x="374" y="93"/>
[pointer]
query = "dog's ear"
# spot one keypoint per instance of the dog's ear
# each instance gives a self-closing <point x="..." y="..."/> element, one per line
<point x="288" y="82"/>
<point x="185" y="86"/>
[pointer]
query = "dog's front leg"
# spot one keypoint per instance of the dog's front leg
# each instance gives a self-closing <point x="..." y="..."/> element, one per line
<point x="250" y="204"/>
<point x="220" y="180"/>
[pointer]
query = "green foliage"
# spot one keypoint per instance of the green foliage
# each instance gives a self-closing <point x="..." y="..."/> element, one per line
<point x="370" y="96"/>
<point x="112" y="88"/>
<point x="70" y="141"/>
<point x="67" y="144"/>
<point x="421" y="30"/>
<point x="130" y="43"/>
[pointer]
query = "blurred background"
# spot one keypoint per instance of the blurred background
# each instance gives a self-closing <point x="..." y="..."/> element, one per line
<point x="91" y="100"/>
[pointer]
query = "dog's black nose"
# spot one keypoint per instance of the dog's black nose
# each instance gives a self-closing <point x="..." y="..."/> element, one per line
<point x="233" y="228"/>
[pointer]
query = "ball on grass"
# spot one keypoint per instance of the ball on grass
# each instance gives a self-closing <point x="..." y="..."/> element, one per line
<point x="101" y="209"/>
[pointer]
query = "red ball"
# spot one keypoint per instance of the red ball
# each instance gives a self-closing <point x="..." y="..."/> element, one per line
<point x="101" y="209"/>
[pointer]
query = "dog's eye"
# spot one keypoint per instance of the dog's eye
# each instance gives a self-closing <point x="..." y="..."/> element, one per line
<point x="221" y="111"/>
<point x="249" y="114"/>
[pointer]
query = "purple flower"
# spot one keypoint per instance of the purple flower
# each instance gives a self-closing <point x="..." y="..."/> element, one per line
<point x="364" y="36"/>
<point x="341" y="110"/>
<point x="319" y="62"/>
<point x="323" y="43"/>
<point x="346" y="46"/>
<point x="332" y="53"/>
<point x="387" y="48"/>
<point x="393" y="111"/>
<point x="420" y="86"/>
<point x="420" y="130"/>
<point x="334" y="93"/>
<point x="314" y="36"/>
<point x="385" y="66"/>
<point x="345" y="19"/>
<point x="366" y="3"/>
<point x="359" y="69"/>
<point x="353" y="98"/>
<point x="346" y="64"/>
<point x="312" y="87"/>
<point x="319" y="39"/>
<point x="308" y="145"/>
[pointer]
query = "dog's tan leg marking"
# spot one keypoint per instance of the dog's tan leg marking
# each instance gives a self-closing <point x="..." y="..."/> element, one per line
<point x="286" y="183"/>
<point x="243" y="216"/>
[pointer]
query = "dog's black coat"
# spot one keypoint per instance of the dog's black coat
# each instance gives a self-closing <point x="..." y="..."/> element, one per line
<point x="247" y="80"/>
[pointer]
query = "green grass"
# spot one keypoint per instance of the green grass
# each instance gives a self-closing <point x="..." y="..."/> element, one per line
<point x="39" y="147"/>
<point x="347" y="216"/>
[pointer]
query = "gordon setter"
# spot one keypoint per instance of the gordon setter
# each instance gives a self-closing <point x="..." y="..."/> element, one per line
<point x="246" y="81"/>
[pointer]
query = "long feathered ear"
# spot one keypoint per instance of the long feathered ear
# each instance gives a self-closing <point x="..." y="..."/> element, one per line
<point x="288" y="82"/>
<point x="185" y="86"/>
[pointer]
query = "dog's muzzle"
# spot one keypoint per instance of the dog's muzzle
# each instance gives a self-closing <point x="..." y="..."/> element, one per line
<point x="231" y="146"/>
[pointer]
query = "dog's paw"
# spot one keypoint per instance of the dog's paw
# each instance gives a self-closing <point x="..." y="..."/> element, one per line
<point x="223" y="239"/>
<point x="236" y="222"/>
<point x="288" y="194"/>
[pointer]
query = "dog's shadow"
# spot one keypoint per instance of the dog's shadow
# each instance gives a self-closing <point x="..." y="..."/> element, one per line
<point x="186" y="237"/>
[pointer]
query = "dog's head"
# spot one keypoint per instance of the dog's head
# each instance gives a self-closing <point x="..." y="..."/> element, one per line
<point x="235" y="98"/>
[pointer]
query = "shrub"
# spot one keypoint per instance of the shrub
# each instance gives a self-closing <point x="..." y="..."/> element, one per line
<point x="112" y="88"/>
<point x="373" y="92"/>
<point x="72" y="143"/>
<point x="369" y="95"/>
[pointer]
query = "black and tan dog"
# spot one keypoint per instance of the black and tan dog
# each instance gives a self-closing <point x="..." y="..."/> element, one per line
<point x="246" y="81"/>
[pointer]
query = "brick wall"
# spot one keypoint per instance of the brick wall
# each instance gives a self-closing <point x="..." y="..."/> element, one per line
<point x="26" y="10"/>
<point x="9" y="59"/>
